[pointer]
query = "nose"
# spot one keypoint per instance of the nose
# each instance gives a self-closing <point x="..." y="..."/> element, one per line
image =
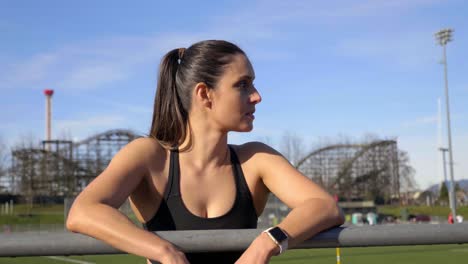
<point x="255" y="97"/>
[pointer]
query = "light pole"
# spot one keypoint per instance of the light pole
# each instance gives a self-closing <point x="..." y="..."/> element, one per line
<point x="48" y="93"/>
<point x="443" y="150"/>
<point x="443" y="37"/>
<point x="444" y="162"/>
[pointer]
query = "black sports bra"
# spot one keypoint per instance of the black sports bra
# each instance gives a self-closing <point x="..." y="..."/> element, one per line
<point x="173" y="215"/>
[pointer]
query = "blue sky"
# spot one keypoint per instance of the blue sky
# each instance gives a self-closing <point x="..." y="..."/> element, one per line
<point x="324" y="68"/>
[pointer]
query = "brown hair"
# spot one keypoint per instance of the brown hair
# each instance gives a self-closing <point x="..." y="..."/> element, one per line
<point x="180" y="70"/>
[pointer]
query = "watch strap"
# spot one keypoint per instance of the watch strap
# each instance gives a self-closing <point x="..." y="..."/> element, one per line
<point x="282" y="245"/>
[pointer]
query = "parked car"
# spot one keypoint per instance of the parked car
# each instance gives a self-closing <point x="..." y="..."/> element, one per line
<point x="421" y="218"/>
<point x="385" y="219"/>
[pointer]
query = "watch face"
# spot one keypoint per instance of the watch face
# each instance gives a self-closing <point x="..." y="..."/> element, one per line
<point x="278" y="234"/>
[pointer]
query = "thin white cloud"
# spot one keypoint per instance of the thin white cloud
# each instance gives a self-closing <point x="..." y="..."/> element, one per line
<point x="97" y="63"/>
<point x="83" y="127"/>
<point x="376" y="7"/>
<point x="427" y="160"/>
<point x="128" y="108"/>
<point x="277" y="12"/>
<point x="91" y="64"/>
<point x="135" y="108"/>
<point x="88" y="77"/>
<point x="7" y="126"/>
<point x="433" y="119"/>
<point x="28" y="72"/>
<point x="409" y="49"/>
<point x="427" y="120"/>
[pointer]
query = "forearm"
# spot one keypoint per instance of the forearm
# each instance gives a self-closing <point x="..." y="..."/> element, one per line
<point x="304" y="221"/>
<point x="310" y="218"/>
<point x="108" y="224"/>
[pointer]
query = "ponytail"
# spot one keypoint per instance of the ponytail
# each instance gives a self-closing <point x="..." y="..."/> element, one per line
<point x="169" y="124"/>
<point x="180" y="70"/>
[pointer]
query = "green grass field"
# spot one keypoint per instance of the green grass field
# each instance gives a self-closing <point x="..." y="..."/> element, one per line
<point x="381" y="255"/>
<point x="441" y="211"/>
<point x="24" y="214"/>
<point x="405" y="254"/>
<point x="53" y="214"/>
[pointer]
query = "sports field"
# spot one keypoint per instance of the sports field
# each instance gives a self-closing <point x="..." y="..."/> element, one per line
<point x="391" y="255"/>
<point x="404" y="254"/>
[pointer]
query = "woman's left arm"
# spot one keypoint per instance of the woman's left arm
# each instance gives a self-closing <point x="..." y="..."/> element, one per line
<point x="313" y="209"/>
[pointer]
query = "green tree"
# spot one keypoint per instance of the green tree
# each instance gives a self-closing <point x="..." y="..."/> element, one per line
<point x="3" y="166"/>
<point x="443" y="193"/>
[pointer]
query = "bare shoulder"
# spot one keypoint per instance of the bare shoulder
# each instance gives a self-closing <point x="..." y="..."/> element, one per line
<point x="144" y="149"/>
<point x="145" y="144"/>
<point x="255" y="150"/>
<point x="279" y="176"/>
<point x="124" y="173"/>
<point x="143" y="155"/>
<point x="259" y="158"/>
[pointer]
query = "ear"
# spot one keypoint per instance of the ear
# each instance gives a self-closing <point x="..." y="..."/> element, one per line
<point x="203" y="94"/>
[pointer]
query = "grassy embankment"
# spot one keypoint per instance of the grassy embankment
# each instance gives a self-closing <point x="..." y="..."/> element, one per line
<point x="371" y="255"/>
<point x="24" y="214"/>
<point x="403" y="254"/>
<point x="441" y="211"/>
<point x="53" y="214"/>
<point x="37" y="215"/>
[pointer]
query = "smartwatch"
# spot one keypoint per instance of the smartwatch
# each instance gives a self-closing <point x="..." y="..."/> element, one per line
<point x="279" y="237"/>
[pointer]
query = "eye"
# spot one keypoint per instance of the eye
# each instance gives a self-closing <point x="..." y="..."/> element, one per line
<point x="243" y="84"/>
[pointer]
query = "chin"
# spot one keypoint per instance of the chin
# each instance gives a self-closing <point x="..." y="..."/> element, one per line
<point x="247" y="128"/>
<point x="242" y="127"/>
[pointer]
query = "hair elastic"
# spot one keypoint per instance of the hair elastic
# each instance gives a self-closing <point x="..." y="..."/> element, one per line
<point x="181" y="54"/>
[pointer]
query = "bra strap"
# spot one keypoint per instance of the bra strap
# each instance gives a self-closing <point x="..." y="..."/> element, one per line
<point x="174" y="175"/>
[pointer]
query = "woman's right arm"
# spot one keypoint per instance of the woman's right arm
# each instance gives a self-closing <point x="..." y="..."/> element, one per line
<point x="95" y="211"/>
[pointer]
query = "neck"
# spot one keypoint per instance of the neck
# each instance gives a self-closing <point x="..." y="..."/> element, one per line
<point x="205" y="146"/>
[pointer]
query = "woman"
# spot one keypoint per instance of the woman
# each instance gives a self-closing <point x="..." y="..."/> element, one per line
<point x="185" y="176"/>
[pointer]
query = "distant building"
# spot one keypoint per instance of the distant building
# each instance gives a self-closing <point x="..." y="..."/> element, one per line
<point x="363" y="207"/>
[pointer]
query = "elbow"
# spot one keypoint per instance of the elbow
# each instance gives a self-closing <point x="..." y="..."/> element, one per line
<point x="72" y="222"/>
<point x="336" y="214"/>
<point x="340" y="217"/>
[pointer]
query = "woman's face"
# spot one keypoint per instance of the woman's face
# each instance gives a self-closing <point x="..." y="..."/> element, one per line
<point x="235" y="97"/>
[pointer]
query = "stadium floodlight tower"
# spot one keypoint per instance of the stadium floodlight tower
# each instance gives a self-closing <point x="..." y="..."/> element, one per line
<point x="48" y="131"/>
<point x="443" y="37"/>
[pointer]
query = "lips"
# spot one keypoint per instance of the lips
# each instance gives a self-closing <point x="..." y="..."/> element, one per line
<point x="251" y="114"/>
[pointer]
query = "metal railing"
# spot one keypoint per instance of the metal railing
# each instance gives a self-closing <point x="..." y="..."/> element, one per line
<point x="65" y="243"/>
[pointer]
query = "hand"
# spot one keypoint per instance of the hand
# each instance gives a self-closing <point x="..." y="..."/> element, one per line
<point x="260" y="251"/>
<point x="172" y="255"/>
